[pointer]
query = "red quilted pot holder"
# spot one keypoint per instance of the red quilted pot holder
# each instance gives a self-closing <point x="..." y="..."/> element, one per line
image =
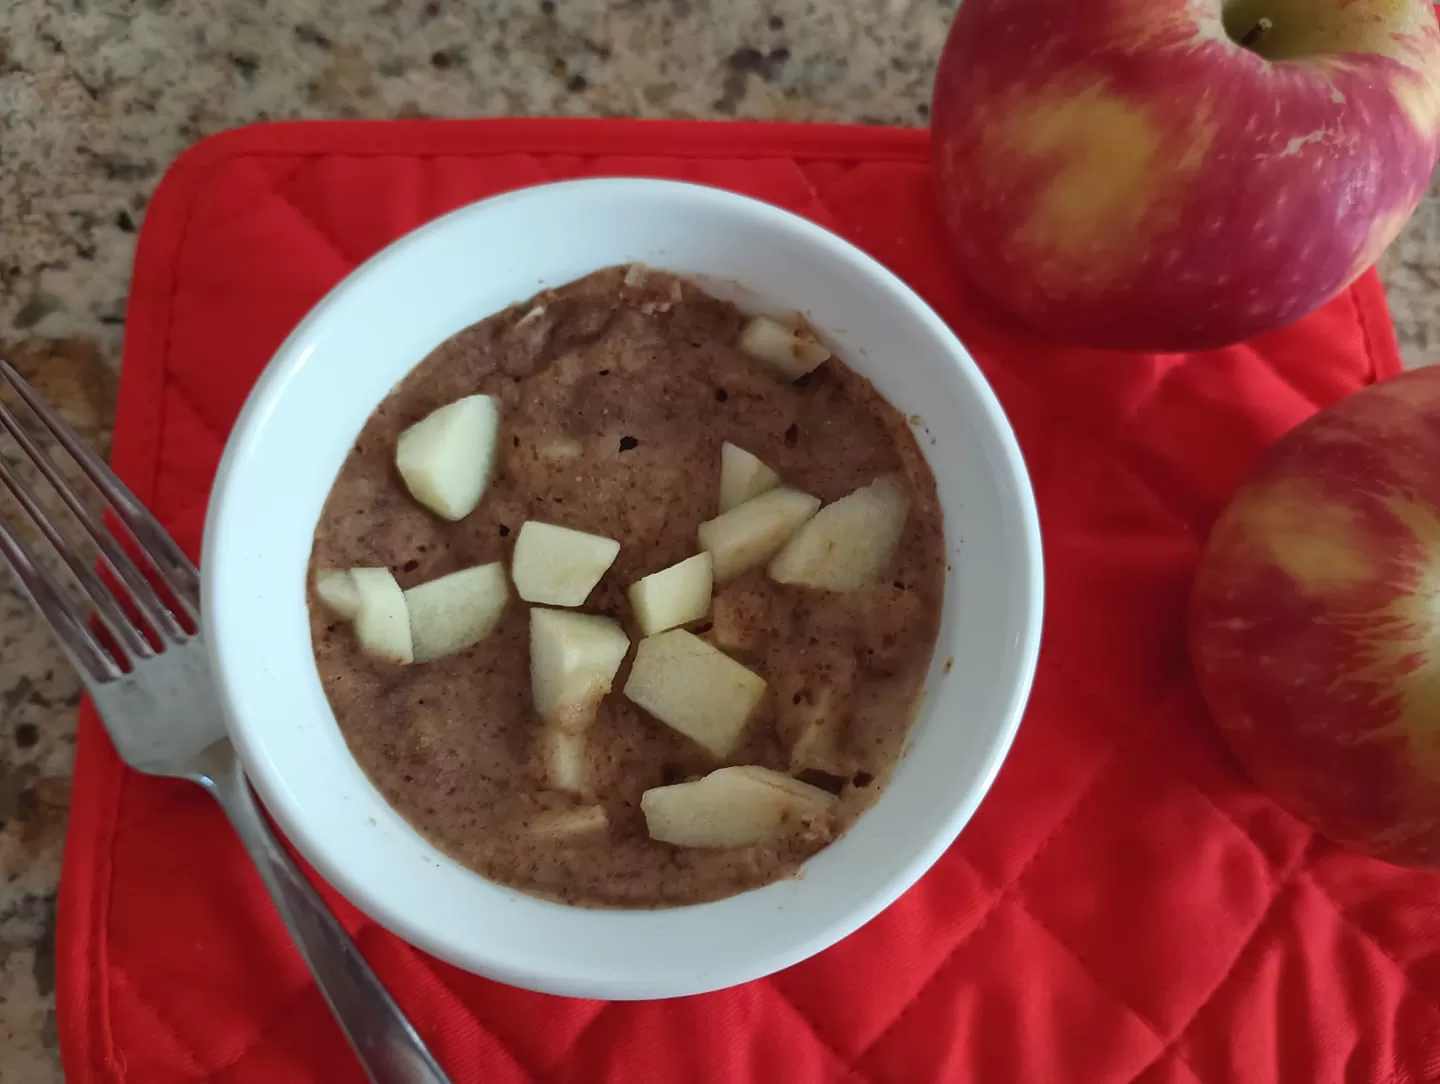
<point x="1125" y="906"/>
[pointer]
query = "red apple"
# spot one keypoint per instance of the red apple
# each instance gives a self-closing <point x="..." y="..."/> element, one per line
<point x="1315" y="620"/>
<point x="1180" y="174"/>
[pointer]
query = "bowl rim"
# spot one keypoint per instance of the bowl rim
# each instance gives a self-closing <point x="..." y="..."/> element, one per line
<point x="289" y="816"/>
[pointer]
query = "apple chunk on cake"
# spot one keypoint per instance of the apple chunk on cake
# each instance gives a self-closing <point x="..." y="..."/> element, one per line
<point x="789" y="350"/>
<point x="584" y="823"/>
<point x="742" y="476"/>
<point x="573" y="661"/>
<point x="447" y="457"/>
<point x="382" y="623"/>
<point x="694" y="688"/>
<point x="453" y="612"/>
<point x="673" y="596"/>
<point x="732" y="807"/>
<point x="750" y="534"/>
<point x="558" y="566"/>
<point x="848" y="544"/>
<point x="337" y="590"/>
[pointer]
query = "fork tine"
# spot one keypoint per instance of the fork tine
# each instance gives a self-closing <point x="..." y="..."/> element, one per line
<point x="85" y="650"/>
<point x="145" y="597"/>
<point x="176" y="569"/>
<point x="115" y="619"/>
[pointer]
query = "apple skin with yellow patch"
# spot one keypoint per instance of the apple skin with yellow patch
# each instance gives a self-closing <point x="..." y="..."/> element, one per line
<point x="1315" y="620"/>
<point x="1126" y="174"/>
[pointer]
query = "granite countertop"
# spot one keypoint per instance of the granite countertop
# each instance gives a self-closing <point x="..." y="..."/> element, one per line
<point x="97" y="97"/>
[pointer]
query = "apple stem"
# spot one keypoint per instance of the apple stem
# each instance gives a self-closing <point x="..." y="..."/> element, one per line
<point x="1256" y="32"/>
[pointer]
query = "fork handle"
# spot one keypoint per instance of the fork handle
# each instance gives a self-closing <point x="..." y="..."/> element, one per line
<point x="383" y="1039"/>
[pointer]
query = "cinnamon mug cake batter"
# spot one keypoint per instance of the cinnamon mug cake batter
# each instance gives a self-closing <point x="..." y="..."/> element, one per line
<point x="615" y="395"/>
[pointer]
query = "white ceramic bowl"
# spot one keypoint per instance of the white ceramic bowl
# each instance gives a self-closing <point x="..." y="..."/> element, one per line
<point x="317" y="392"/>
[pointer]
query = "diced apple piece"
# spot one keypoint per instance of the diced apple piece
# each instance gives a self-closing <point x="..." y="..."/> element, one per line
<point x="562" y="758"/>
<point x="336" y="589"/>
<point x="695" y="689"/>
<point x="742" y="476"/>
<point x="531" y="316"/>
<point x="573" y="660"/>
<point x="815" y="727"/>
<point x="818" y="749"/>
<point x="382" y="623"/>
<point x="579" y="824"/>
<point x="848" y="544"/>
<point x="732" y="807"/>
<point x="557" y="566"/>
<point x="446" y="458"/>
<point x="673" y="596"/>
<point x="560" y="450"/>
<point x="452" y="612"/>
<point x="813" y="710"/>
<point x="881" y="711"/>
<point x="531" y="333"/>
<point x="748" y="536"/>
<point x="790" y="351"/>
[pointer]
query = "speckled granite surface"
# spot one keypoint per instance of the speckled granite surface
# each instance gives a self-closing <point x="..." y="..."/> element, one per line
<point x="98" y="96"/>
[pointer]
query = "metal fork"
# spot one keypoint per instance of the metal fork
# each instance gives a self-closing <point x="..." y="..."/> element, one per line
<point x="151" y="682"/>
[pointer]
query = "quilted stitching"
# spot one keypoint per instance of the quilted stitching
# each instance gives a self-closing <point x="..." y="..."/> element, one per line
<point x="809" y="1025"/>
<point x="987" y="1018"/>
<point x="1027" y="884"/>
<point x="1002" y="897"/>
<point x="136" y="1003"/>
<point x="957" y="903"/>
<point x="281" y="1018"/>
<point x="1172" y="1044"/>
<point x="1390" y="902"/>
